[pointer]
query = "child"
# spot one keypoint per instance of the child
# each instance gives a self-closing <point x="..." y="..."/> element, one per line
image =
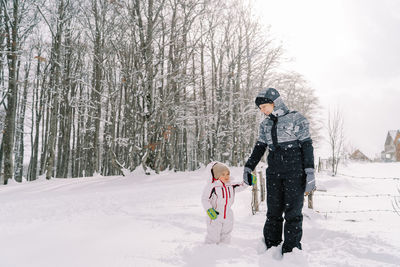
<point x="217" y="199"/>
<point x="290" y="171"/>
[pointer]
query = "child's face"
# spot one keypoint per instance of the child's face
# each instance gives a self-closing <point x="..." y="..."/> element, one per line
<point x="225" y="176"/>
<point x="267" y="108"/>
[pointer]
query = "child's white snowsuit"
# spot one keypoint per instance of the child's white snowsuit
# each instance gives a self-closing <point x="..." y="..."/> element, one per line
<point x="219" y="196"/>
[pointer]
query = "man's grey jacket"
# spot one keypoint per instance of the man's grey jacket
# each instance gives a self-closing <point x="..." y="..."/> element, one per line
<point x="286" y="135"/>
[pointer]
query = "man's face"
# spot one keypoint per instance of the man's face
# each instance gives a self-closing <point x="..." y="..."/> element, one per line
<point x="267" y="108"/>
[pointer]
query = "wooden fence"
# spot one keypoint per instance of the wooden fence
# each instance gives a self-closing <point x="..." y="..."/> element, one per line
<point x="259" y="195"/>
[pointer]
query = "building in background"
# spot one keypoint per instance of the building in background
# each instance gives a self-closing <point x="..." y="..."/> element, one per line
<point x="391" y="151"/>
<point x="359" y="156"/>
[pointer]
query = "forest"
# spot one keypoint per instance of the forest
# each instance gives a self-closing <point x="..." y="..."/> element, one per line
<point x="103" y="86"/>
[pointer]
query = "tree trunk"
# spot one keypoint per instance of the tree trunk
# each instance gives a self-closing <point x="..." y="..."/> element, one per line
<point x="9" y="125"/>
<point x="19" y="168"/>
<point x="37" y="111"/>
<point x="54" y="85"/>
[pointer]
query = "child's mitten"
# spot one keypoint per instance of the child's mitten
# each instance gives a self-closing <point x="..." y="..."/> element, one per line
<point x="212" y="213"/>
<point x="253" y="179"/>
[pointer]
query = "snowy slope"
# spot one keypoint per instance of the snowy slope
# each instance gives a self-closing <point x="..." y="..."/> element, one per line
<point x="158" y="220"/>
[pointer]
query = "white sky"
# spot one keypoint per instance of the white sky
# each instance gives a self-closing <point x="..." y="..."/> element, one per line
<point x="349" y="51"/>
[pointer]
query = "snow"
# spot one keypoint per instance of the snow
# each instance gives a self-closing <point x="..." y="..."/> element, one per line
<point x="157" y="220"/>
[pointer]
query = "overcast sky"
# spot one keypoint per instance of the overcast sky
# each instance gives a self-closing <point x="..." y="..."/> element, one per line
<point x="349" y="51"/>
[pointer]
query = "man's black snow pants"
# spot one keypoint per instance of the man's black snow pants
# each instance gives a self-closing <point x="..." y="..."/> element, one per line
<point x="285" y="195"/>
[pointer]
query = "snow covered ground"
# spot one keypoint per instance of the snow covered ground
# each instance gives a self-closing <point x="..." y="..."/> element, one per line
<point x="158" y="220"/>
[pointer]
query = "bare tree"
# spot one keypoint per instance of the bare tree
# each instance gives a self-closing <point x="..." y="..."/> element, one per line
<point x="37" y="113"/>
<point x="12" y="24"/>
<point x="55" y="86"/>
<point x="19" y="149"/>
<point x="335" y="127"/>
<point x="300" y="96"/>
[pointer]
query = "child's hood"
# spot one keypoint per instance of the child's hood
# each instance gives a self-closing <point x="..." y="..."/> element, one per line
<point x="208" y="173"/>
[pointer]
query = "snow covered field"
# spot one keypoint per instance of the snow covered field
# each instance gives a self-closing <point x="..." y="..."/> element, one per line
<point x="158" y="220"/>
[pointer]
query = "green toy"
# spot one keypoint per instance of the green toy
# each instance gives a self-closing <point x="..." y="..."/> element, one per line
<point x="212" y="213"/>
<point x="253" y="179"/>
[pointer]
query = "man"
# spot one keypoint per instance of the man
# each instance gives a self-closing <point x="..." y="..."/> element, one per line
<point x="290" y="171"/>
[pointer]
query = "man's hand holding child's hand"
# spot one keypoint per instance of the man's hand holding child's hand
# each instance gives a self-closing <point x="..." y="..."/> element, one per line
<point x="248" y="177"/>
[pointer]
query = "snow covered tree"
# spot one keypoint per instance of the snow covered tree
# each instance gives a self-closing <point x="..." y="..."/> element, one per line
<point x="114" y="85"/>
<point x="17" y="22"/>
